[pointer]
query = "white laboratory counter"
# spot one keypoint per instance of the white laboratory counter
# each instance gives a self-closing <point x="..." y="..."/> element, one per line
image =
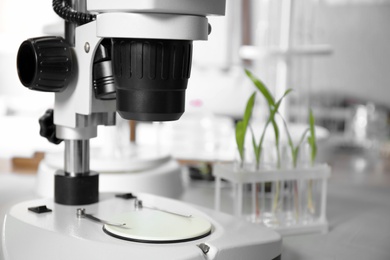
<point x="358" y="209"/>
<point x="359" y="221"/>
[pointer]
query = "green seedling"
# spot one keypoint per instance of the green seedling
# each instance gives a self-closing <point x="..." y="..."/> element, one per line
<point x="273" y="108"/>
<point x="313" y="154"/>
<point x="294" y="149"/>
<point x="242" y="126"/>
<point x="294" y="156"/>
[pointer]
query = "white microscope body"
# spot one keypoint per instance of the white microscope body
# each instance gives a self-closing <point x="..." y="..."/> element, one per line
<point x="114" y="41"/>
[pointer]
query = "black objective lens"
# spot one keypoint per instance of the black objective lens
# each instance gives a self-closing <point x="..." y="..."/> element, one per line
<point x="151" y="76"/>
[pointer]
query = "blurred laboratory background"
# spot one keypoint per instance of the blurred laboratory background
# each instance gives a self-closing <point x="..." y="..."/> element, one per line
<point x="334" y="54"/>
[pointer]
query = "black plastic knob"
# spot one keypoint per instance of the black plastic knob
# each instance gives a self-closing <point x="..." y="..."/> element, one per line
<point x="45" y="64"/>
<point x="48" y="128"/>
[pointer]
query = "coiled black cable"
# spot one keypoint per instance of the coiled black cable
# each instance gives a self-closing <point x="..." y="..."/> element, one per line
<point x="65" y="11"/>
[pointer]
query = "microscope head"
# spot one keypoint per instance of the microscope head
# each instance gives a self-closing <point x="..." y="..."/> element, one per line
<point x="152" y="52"/>
<point x="143" y="60"/>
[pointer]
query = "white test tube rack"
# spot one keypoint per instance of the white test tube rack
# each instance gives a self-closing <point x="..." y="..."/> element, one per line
<point x="241" y="179"/>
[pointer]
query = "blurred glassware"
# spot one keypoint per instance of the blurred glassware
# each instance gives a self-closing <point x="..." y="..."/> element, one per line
<point x="367" y="125"/>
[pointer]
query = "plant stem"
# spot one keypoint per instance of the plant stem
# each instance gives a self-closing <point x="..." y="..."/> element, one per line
<point x="277" y="191"/>
<point x="276" y="197"/>
<point x="294" y="155"/>
<point x="258" y="151"/>
<point x="310" y="202"/>
<point x="257" y="201"/>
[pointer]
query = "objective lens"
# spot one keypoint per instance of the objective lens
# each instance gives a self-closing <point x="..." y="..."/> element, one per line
<point x="151" y="76"/>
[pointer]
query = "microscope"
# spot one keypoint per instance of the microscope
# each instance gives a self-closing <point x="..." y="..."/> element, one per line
<point x="132" y="58"/>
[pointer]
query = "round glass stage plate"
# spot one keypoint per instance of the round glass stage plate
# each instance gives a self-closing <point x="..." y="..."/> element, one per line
<point x="155" y="226"/>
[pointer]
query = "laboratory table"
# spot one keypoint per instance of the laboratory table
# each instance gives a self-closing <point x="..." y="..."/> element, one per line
<point x="358" y="209"/>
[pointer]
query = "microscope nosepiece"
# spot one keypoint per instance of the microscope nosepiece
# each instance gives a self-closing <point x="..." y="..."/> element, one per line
<point x="151" y="77"/>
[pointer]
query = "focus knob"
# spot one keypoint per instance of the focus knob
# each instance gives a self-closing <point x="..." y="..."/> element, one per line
<point x="45" y="64"/>
<point x="48" y="128"/>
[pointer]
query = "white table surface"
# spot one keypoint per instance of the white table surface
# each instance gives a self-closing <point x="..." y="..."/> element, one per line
<point x="358" y="209"/>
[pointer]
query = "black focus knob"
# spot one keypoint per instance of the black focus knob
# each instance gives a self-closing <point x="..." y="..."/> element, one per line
<point x="45" y="64"/>
<point x="48" y="128"/>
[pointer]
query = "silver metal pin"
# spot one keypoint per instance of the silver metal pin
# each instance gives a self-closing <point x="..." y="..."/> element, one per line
<point x="139" y="205"/>
<point x="82" y="214"/>
<point x="169" y="212"/>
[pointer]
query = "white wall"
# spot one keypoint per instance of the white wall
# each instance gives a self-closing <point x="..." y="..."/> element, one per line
<point x="20" y="20"/>
<point x="359" y="32"/>
<point x="218" y="83"/>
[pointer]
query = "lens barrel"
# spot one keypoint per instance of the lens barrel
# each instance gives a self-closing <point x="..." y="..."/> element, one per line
<point x="151" y="76"/>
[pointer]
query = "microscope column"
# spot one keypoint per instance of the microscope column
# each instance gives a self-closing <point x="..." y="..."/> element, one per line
<point x="76" y="185"/>
<point x="76" y="157"/>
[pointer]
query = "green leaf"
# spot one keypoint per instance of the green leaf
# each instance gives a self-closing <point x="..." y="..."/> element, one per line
<point x="262" y="88"/>
<point x="294" y="149"/>
<point x="290" y="142"/>
<point x="274" y="111"/>
<point x="240" y="139"/>
<point x="276" y="132"/>
<point x="277" y="104"/>
<point x="241" y="127"/>
<point x="263" y="133"/>
<point x="312" y="138"/>
<point x="276" y="128"/>
<point x="284" y="95"/>
<point x="303" y="137"/>
<point x="298" y="146"/>
<point x="248" y="110"/>
<point x="256" y="149"/>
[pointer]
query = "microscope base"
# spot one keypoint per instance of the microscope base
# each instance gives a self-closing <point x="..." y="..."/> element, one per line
<point x="62" y="234"/>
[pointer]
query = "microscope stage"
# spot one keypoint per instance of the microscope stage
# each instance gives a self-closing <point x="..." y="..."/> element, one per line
<point x="161" y="229"/>
<point x="156" y="226"/>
